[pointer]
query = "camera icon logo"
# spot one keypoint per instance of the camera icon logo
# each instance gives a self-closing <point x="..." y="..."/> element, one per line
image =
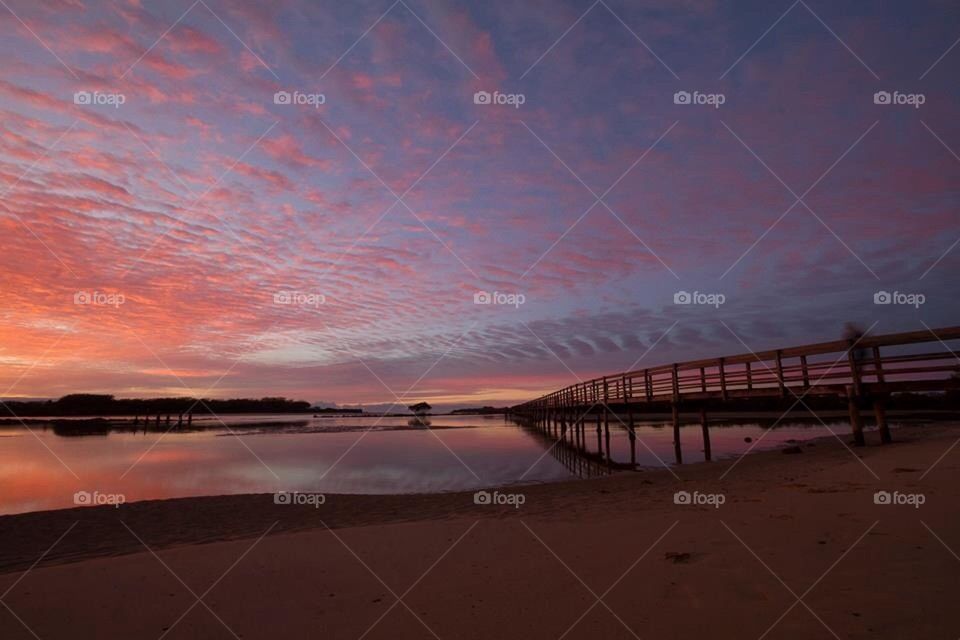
<point x="682" y="297"/>
<point x="282" y="97"/>
<point x="682" y="97"/>
<point x="482" y="297"/>
<point x="481" y="497"/>
<point x="82" y="97"/>
<point x="82" y="297"/>
<point x="682" y="497"/>
<point x="281" y="497"/>
<point x="882" y="97"/>
<point x="882" y="297"/>
<point x="882" y="497"/>
<point x="482" y="97"/>
<point x="81" y="497"/>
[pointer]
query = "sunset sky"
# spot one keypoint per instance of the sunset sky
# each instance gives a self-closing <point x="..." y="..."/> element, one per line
<point x="152" y="238"/>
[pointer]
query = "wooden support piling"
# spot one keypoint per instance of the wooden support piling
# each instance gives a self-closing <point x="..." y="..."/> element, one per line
<point x="705" y="428"/>
<point x="599" y="441"/>
<point x="856" y="422"/>
<point x="678" y="454"/>
<point x="880" y="411"/>
<point x="606" y="434"/>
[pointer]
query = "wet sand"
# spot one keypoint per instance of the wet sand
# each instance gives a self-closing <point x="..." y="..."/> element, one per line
<point x="613" y="557"/>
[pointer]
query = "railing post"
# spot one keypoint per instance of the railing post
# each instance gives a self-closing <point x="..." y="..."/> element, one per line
<point x="703" y="379"/>
<point x="723" y="381"/>
<point x="806" y="373"/>
<point x="854" y="368"/>
<point x="676" y="383"/>
<point x="878" y="364"/>
<point x="749" y="377"/>
<point x="783" y="384"/>
<point x="647" y="384"/>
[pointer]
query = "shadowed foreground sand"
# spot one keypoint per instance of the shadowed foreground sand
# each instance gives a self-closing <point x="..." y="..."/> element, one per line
<point x="608" y="558"/>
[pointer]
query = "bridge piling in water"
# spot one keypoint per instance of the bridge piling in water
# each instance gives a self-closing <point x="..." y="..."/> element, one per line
<point x="705" y="428"/>
<point x="677" y="452"/>
<point x="599" y="441"/>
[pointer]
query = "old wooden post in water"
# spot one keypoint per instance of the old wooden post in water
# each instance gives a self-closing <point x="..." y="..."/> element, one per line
<point x="704" y="426"/>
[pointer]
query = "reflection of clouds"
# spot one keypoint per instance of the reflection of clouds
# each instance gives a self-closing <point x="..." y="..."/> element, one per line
<point x="202" y="463"/>
<point x="397" y="461"/>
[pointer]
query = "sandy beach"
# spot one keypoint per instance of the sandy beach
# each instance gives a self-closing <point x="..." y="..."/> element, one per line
<point x="797" y="548"/>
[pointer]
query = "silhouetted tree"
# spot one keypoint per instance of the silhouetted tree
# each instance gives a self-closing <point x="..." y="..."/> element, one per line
<point x="421" y="408"/>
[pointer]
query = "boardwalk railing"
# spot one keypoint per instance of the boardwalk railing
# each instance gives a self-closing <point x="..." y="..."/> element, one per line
<point x="870" y="367"/>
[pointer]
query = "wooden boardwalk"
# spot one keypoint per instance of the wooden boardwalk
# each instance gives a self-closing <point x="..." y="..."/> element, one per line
<point x="861" y="371"/>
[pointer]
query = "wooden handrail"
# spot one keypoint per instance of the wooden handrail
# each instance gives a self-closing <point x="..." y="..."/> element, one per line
<point x="766" y="370"/>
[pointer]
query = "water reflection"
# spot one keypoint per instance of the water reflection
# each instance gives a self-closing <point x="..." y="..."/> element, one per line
<point x="41" y="468"/>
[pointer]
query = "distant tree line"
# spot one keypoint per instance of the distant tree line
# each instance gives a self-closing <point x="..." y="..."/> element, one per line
<point x="479" y="411"/>
<point x="88" y="404"/>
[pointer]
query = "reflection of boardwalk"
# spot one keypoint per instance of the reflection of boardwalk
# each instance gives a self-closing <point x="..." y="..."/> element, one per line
<point x="866" y="370"/>
<point x="579" y="462"/>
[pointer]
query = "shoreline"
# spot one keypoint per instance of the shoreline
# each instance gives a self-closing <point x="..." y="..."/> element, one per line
<point x="197" y="520"/>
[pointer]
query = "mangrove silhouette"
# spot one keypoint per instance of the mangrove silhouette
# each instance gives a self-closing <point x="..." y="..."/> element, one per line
<point x="88" y="404"/>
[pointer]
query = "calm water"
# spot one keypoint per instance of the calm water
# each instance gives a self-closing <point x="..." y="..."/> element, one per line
<point x="41" y="468"/>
